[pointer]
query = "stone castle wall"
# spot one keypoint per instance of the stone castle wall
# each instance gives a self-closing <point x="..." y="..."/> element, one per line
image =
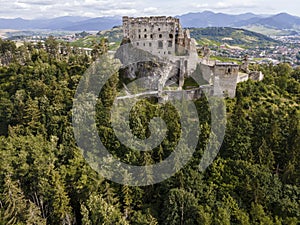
<point x="164" y="37"/>
<point x="153" y="34"/>
<point x="161" y="36"/>
<point x="225" y="79"/>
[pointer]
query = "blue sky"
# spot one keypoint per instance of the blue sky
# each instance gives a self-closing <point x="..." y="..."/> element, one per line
<point x="94" y="8"/>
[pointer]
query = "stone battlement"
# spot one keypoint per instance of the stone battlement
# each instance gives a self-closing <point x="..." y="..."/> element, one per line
<point x="152" y="19"/>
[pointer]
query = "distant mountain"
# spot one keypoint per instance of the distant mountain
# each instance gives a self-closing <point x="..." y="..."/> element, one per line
<point x="100" y="23"/>
<point x="211" y="19"/>
<point x="60" y="22"/>
<point x="17" y="23"/>
<point x="282" y="21"/>
<point x="68" y="23"/>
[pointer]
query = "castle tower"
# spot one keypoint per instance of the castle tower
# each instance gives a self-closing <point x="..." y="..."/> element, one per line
<point x="225" y="79"/>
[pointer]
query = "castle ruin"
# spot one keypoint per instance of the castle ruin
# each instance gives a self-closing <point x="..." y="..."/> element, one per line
<point x="165" y="38"/>
<point x="161" y="36"/>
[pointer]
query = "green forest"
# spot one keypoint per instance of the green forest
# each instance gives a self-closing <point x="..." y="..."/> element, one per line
<point x="233" y="36"/>
<point x="44" y="178"/>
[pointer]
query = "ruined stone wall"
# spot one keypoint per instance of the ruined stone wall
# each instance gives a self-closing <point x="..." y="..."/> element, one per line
<point x="242" y="77"/>
<point x="256" y="75"/>
<point x="225" y="79"/>
<point x="179" y="94"/>
<point x="163" y="37"/>
<point x="206" y="72"/>
<point x="153" y="34"/>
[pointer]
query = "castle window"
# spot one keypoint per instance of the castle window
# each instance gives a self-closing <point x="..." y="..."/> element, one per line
<point x="160" y="36"/>
<point x="151" y="35"/>
<point x="139" y="30"/>
<point x="160" y="44"/>
<point x="139" y="36"/>
<point x="169" y="52"/>
<point x="159" y="29"/>
<point x="170" y="44"/>
<point x="150" y="44"/>
<point x="145" y="36"/>
<point x="144" y="44"/>
<point x="170" y="35"/>
<point x="229" y="70"/>
<point x="145" y="30"/>
<point x="137" y="44"/>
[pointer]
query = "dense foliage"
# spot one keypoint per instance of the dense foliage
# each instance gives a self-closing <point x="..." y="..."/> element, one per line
<point x="44" y="179"/>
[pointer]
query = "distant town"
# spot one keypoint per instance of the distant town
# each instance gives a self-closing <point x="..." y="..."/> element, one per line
<point x="287" y="50"/>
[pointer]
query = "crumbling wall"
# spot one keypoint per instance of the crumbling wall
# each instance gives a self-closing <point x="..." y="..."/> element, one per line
<point x="156" y="35"/>
<point x="163" y="37"/>
<point x="225" y="79"/>
<point x="206" y="72"/>
<point x="242" y="77"/>
<point x="256" y="75"/>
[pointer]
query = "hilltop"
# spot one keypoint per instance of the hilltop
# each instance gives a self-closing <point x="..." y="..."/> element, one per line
<point x="210" y="36"/>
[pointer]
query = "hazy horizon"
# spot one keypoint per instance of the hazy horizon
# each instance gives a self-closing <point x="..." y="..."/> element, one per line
<point x="119" y="16"/>
<point x="35" y="9"/>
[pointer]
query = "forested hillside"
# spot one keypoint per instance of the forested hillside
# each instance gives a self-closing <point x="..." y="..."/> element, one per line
<point x="233" y="36"/>
<point x="44" y="178"/>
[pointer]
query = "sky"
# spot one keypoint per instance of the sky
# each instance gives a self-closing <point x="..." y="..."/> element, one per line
<point x="30" y="9"/>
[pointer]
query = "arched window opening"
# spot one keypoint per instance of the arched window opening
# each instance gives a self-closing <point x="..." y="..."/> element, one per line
<point x="160" y="44"/>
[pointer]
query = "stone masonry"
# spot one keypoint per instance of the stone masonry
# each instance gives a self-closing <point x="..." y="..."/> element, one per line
<point x="165" y="38"/>
<point x="161" y="36"/>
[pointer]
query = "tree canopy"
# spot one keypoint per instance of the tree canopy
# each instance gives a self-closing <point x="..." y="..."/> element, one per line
<point x="255" y="178"/>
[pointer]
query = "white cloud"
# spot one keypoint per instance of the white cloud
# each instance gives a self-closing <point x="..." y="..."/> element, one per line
<point x="151" y="10"/>
<point x="229" y="5"/>
<point x="202" y="5"/>
<point x="232" y="4"/>
<point x="96" y="8"/>
<point x="118" y="12"/>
